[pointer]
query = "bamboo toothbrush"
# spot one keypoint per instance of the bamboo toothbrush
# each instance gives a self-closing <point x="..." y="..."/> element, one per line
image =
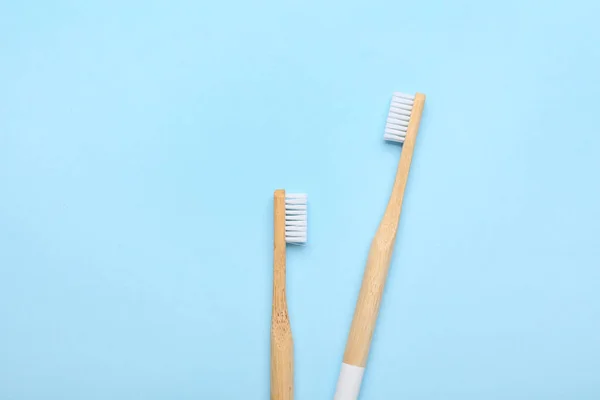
<point x="289" y="226"/>
<point x="402" y="126"/>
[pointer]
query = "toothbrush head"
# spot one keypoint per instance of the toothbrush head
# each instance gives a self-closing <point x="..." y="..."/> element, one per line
<point x="399" y="116"/>
<point x="295" y="218"/>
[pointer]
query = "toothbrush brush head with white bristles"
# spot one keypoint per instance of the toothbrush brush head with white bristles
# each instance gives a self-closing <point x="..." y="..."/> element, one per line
<point x="296" y="218"/>
<point x="399" y="117"/>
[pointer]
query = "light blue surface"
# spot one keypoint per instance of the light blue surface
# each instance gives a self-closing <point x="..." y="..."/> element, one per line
<point x="140" y="145"/>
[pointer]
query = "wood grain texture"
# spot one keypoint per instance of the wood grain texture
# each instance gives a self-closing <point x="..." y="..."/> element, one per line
<point x="282" y="353"/>
<point x="382" y="246"/>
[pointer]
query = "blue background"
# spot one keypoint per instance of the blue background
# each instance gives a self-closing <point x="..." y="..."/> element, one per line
<point x="140" y="145"/>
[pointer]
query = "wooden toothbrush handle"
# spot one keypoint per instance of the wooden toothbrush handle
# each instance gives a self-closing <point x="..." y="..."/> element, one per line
<point x="376" y="270"/>
<point x="282" y="347"/>
<point x="369" y="300"/>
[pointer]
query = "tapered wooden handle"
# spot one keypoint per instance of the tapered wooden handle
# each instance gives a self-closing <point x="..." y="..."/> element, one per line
<point x="378" y="262"/>
<point x="369" y="299"/>
<point x="282" y="353"/>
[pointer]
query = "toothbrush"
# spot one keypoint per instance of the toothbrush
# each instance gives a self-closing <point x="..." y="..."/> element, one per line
<point x="402" y="126"/>
<point x="289" y="226"/>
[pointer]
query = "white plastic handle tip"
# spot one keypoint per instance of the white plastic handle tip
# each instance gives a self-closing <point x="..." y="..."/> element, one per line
<point x="348" y="385"/>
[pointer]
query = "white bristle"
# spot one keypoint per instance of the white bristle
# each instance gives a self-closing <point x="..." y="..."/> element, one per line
<point x="398" y="117"/>
<point x="295" y="218"/>
<point x="404" y="96"/>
